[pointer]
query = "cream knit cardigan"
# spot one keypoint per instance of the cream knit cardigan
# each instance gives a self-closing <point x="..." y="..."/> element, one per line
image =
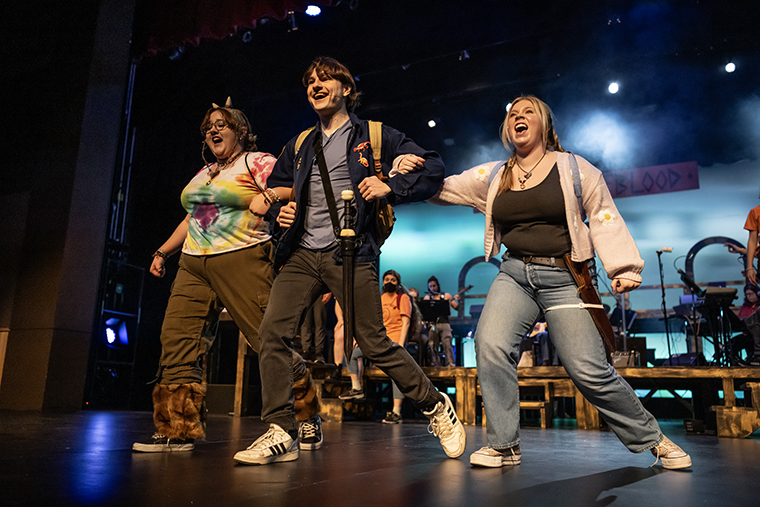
<point x="606" y="232"/>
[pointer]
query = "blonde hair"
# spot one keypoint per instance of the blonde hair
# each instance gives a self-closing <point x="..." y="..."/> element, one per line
<point x="549" y="139"/>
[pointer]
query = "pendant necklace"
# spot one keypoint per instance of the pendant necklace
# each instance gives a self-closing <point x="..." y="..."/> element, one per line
<point x="528" y="174"/>
<point x="218" y="167"/>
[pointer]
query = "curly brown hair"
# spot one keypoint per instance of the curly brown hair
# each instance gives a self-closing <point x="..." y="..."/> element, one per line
<point x="237" y="121"/>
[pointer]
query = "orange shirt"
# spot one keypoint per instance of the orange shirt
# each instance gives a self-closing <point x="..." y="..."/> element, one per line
<point x="395" y="306"/>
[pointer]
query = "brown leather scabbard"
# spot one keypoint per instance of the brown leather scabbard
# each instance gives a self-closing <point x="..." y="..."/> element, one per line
<point x="590" y="296"/>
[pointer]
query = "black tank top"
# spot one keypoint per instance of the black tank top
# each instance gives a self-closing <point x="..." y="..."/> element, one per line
<point x="533" y="221"/>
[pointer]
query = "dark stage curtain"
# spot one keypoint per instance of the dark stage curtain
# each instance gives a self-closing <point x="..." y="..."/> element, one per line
<point x="162" y="25"/>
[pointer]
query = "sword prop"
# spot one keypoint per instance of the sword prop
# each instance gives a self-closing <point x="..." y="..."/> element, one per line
<point x="590" y="297"/>
<point x="347" y="249"/>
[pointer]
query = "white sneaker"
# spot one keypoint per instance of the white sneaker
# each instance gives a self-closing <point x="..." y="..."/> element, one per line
<point x="490" y="457"/>
<point x="445" y="424"/>
<point x="273" y="446"/>
<point x="672" y="456"/>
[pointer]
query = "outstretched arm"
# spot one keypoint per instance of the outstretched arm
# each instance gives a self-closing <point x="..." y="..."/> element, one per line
<point x="169" y="248"/>
<point x="751" y="251"/>
<point x="469" y="188"/>
<point x="373" y="188"/>
<point x="403" y="154"/>
<point x="404" y="164"/>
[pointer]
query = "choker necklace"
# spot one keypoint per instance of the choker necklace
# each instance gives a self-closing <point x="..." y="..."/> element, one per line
<point x="528" y="174"/>
<point x="219" y="166"/>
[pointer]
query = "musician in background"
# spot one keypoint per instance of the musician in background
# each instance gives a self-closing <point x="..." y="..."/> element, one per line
<point x="439" y="332"/>
<point x="753" y="226"/>
<point x="750" y="315"/>
<point x="416" y="328"/>
<point x="734" y="249"/>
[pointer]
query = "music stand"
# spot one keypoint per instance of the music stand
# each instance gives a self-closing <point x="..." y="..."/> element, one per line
<point x="622" y="320"/>
<point x="690" y="304"/>
<point x="719" y="296"/>
<point x="716" y="303"/>
<point x="433" y="309"/>
<point x="619" y="320"/>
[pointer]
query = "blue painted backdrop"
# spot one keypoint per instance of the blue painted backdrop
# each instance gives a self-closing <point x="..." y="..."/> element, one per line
<point x="434" y="240"/>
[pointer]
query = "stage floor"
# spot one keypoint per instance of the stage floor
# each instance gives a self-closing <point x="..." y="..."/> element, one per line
<point x="85" y="458"/>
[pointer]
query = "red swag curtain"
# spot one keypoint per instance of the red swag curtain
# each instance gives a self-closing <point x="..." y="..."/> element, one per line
<point x="161" y="25"/>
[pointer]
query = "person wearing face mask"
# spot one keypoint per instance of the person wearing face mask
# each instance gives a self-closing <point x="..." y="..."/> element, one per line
<point x="225" y="262"/>
<point x="535" y="204"/>
<point x="749" y="313"/>
<point x="397" y="313"/>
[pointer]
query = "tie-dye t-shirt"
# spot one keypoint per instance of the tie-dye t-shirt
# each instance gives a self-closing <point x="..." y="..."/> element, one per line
<point x="218" y="207"/>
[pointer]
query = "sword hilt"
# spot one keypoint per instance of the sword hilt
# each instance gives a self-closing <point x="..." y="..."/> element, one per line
<point x="348" y="226"/>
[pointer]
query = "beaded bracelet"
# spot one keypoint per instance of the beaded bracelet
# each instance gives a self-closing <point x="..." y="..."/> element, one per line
<point x="270" y="196"/>
<point x="160" y="253"/>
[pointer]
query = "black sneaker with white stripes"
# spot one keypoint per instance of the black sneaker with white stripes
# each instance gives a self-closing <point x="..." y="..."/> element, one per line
<point x="273" y="446"/>
<point x="310" y="434"/>
<point x="160" y="443"/>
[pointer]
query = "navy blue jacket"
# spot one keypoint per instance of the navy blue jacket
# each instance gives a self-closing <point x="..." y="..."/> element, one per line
<point x="293" y="171"/>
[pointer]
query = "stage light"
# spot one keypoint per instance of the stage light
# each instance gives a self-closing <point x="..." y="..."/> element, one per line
<point x="116" y="331"/>
<point x="613" y="88"/>
<point x="177" y="53"/>
<point x="730" y="67"/>
<point x="247" y="37"/>
<point x="292" y="24"/>
<point x="604" y="136"/>
<point x="431" y="124"/>
<point x="313" y="10"/>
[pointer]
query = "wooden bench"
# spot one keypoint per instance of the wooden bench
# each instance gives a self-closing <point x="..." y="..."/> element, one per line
<point x="463" y="379"/>
<point x="705" y="382"/>
<point x="739" y="422"/>
<point x="587" y="417"/>
<point x="544" y="407"/>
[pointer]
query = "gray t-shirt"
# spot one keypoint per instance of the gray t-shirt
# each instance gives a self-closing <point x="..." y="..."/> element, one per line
<point x="319" y="234"/>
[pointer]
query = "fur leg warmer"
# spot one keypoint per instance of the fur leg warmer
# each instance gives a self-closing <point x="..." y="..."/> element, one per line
<point x="179" y="410"/>
<point x="307" y="402"/>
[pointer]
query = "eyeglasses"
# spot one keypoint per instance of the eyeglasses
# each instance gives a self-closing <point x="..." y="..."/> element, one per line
<point x="219" y="125"/>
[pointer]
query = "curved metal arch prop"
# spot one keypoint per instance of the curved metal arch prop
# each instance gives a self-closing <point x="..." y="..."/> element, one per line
<point x="689" y="264"/>
<point x="466" y="269"/>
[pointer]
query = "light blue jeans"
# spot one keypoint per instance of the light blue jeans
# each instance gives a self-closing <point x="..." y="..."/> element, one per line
<point x="519" y="294"/>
